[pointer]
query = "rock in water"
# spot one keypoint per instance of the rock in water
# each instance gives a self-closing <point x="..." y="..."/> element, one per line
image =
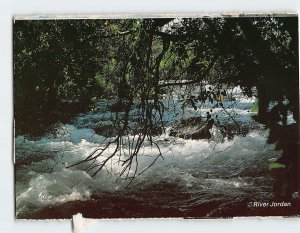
<point x="192" y="128"/>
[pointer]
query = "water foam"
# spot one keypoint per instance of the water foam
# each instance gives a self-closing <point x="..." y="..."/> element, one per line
<point x="204" y="167"/>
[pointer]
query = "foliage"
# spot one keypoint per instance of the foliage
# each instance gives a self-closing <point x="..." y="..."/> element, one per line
<point x="273" y="166"/>
<point x="136" y="60"/>
<point x="254" y="107"/>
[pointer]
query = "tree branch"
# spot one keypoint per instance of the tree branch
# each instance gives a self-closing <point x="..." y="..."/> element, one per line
<point x="200" y="78"/>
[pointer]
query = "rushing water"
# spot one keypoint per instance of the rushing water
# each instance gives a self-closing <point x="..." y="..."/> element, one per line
<point x="195" y="178"/>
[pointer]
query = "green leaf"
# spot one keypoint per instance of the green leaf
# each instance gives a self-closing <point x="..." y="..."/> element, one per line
<point x="94" y="99"/>
<point x="276" y="166"/>
<point x="254" y="107"/>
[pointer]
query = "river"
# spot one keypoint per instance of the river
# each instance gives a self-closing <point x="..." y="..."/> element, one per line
<point x="195" y="178"/>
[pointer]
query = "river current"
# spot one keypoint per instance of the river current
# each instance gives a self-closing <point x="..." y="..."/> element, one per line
<point x="194" y="178"/>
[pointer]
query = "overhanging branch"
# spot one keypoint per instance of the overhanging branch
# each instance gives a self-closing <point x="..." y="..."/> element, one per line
<point x="200" y="78"/>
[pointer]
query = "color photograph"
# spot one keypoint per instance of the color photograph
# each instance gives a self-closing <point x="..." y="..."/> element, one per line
<point x="156" y="117"/>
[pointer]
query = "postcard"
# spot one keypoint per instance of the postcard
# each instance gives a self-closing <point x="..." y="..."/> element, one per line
<point x="156" y="117"/>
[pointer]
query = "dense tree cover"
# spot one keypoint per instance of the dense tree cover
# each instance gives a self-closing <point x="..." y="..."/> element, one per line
<point x="77" y="59"/>
<point x="59" y="60"/>
<point x="135" y="60"/>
